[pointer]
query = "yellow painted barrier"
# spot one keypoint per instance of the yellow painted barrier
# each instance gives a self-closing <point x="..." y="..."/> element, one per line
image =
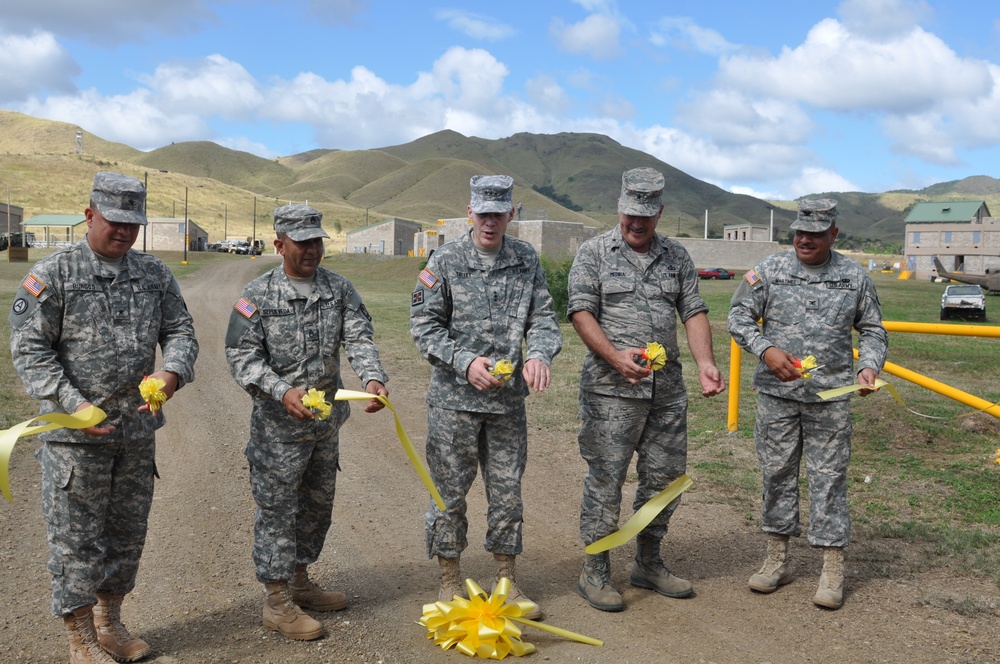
<point x="957" y="330"/>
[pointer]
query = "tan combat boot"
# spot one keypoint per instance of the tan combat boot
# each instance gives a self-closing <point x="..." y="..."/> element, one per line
<point x="775" y="571"/>
<point x="648" y="571"/>
<point x="112" y="634"/>
<point x="831" y="582"/>
<point x="595" y="584"/>
<point x="451" y="579"/>
<point x="83" y="645"/>
<point x="505" y="568"/>
<point x="308" y="595"/>
<point x="283" y="616"/>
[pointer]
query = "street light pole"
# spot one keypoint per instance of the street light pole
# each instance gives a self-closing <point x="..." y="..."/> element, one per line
<point x="185" y="261"/>
<point x="253" y="244"/>
<point x="225" y="223"/>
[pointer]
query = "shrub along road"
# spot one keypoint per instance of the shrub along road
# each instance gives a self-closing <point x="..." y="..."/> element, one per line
<point x="197" y="599"/>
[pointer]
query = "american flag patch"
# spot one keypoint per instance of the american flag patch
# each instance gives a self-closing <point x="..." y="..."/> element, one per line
<point x="32" y="285"/>
<point x="245" y="307"/>
<point x="428" y="278"/>
<point x="752" y="277"/>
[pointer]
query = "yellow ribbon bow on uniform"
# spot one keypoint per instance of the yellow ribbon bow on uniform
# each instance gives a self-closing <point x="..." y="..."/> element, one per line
<point x="655" y="355"/>
<point x="503" y="370"/>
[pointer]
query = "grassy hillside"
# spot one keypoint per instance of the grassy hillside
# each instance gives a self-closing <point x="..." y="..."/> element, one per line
<point x="572" y="177"/>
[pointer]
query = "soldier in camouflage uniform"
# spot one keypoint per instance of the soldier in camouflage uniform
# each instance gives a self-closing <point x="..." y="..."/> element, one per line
<point x="478" y="299"/>
<point x="628" y="287"/>
<point x="284" y="337"/>
<point x="85" y="326"/>
<point x="809" y="299"/>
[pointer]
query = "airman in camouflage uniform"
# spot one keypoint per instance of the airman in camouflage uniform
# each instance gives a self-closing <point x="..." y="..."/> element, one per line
<point x="284" y="337"/>
<point x="628" y="287"/>
<point x="809" y="299"/>
<point x="478" y="299"/>
<point x="85" y="325"/>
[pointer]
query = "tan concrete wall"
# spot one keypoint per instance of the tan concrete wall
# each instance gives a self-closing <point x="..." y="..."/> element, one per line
<point x="730" y="254"/>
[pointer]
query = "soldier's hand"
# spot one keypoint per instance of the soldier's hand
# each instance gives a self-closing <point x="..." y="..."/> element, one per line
<point x="867" y="378"/>
<point x="479" y="375"/>
<point x="780" y="364"/>
<point x="170" y="381"/>
<point x="624" y="361"/>
<point x="537" y="374"/>
<point x="711" y="381"/>
<point x="292" y="401"/>
<point x="95" y="430"/>
<point x="375" y="387"/>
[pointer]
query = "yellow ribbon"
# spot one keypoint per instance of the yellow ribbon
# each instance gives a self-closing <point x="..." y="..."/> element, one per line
<point x="484" y="625"/>
<point x="404" y="438"/>
<point x="87" y="417"/>
<point x="642" y="517"/>
<point x="847" y="389"/>
<point x="315" y="400"/>
<point x="655" y="355"/>
<point x="152" y="392"/>
<point x="503" y="370"/>
<point x="805" y="366"/>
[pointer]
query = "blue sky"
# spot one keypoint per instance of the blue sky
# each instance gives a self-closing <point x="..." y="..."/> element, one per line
<point x="774" y="99"/>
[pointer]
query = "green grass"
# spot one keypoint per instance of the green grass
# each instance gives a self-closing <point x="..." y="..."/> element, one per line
<point x="932" y="495"/>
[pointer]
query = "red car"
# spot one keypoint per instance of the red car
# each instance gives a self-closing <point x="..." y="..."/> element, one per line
<point x="715" y="273"/>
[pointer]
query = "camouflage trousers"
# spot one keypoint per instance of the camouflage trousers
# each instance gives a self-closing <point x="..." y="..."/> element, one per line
<point x="784" y="431"/>
<point x="614" y="430"/>
<point x="457" y="443"/>
<point x="293" y="485"/>
<point x="95" y="499"/>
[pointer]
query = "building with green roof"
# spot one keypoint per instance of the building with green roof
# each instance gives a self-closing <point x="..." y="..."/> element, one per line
<point x="962" y="234"/>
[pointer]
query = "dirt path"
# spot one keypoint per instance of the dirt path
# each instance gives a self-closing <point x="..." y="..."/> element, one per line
<point x="197" y="599"/>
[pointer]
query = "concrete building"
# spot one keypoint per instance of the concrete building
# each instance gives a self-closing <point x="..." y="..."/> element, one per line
<point x="556" y="239"/>
<point x="11" y="217"/>
<point x="391" y="237"/>
<point x="167" y="234"/>
<point x="747" y="232"/>
<point x="962" y="234"/>
<point x="729" y="254"/>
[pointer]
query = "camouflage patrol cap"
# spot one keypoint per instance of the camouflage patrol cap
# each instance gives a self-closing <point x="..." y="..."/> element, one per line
<point x="119" y="198"/>
<point x="491" y="193"/>
<point x="815" y="215"/>
<point x="299" y="222"/>
<point x="641" y="191"/>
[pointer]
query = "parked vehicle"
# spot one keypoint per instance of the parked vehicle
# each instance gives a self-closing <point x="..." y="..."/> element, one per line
<point x="239" y="247"/>
<point x="966" y="301"/>
<point x="5" y="241"/>
<point x="715" y="273"/>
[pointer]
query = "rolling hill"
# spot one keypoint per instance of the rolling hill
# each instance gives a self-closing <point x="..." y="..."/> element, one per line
<point x="571" y="177"/>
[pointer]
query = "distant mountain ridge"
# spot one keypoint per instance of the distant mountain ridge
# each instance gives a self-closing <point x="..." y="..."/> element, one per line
<point x="571" y="176"/>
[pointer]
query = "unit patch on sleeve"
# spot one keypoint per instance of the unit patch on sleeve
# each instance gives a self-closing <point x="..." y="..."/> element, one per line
<point x="418" y="297"/>
<point x="245" y="307"/>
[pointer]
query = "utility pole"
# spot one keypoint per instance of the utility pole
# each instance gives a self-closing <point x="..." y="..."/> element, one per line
<point x="185" y="261"/>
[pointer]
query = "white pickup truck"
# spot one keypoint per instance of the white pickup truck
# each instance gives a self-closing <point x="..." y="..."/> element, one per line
<point x="966" y="301"/>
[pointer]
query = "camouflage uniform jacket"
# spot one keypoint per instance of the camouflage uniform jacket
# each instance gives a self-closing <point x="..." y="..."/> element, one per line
<point x="91" y="335"/>
<point x="463" y="308"/>
<point x="806" y="315"/>
<point x="289" y="340"/>
<point x="634" y="305"/>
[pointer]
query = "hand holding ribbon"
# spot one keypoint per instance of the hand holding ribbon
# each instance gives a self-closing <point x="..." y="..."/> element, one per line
<point x="151" y="390"/>
<point x="82" y="419"/>
<point x="315" y="401"/>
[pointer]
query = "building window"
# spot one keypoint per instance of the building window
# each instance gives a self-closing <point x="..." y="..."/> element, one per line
<point x="947" y="237"/>
<point x="915" y="237"/>
<point x="976" y="237"/>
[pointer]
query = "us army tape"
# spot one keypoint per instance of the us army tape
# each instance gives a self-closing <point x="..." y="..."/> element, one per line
<point x="404" y="438"/>
<point x="82" y="419"/>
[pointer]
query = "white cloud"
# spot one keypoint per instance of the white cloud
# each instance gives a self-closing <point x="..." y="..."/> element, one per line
<point x="813" y="180"/>
<point x="686" y="33"/>
<point x="547" y="95"/>
<point x="477" y="26"/>
<point x="839" y="70"/>
<point x="596" y="36"/>
<point x="30" y="65"/>
<point x="212" y="86"/>
<point x="244" y="144"/>
<point x="732" y="117"/>
<point x="133" y="119"/>
<point x="614" y="106"/>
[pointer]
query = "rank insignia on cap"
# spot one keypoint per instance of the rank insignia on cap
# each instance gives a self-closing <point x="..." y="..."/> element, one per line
<point x="428" y="278"/>
<point x="752" y="277"/>
<point x="33" y="285"/>
<point x="245" y="307"/>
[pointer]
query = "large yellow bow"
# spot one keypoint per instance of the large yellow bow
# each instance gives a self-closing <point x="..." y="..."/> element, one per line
<point x="151" y="390"/>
